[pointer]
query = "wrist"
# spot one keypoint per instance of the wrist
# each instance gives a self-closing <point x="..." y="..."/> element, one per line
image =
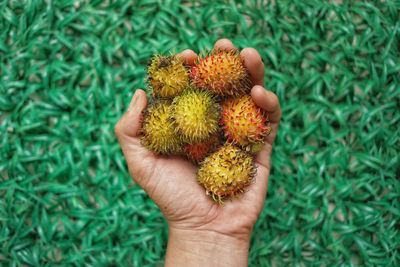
<point x="205" y="248"/>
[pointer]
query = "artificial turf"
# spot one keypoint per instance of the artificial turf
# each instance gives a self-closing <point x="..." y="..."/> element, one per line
<point x="69" y="68"/>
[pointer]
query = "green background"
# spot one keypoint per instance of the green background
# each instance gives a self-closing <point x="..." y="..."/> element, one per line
<point x="69" y="69"/>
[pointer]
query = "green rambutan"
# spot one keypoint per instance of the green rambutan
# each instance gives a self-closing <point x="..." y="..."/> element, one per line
<point x="158" y="130"/>
<point x="226" y="172"/>
<point x="244" y="123"/>
<point x="222" y="72"/>
<point x="196" y="115"/>
<point x="167" y="76"/>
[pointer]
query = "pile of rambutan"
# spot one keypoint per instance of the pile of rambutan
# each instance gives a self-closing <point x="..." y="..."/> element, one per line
<point x="205" y="113"/>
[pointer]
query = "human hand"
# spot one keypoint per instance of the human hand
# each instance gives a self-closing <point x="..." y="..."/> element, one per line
<point x="194" y="219"/>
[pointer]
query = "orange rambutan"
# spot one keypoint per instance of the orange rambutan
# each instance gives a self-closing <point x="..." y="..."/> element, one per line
<point x="198" y="151"/>
<point x="244" y="123"/>
<point x="222" y="72"/>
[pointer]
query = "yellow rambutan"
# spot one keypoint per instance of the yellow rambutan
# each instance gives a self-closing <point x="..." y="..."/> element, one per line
<point x="167" y="75"/>
<point x="158" y="130"/>
<point x="196" y="115"/>
<point x="226" y="172"/>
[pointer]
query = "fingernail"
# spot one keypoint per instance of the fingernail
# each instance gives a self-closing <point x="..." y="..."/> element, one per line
<point x="133" y="102"/>
<point x="259" y="86"/>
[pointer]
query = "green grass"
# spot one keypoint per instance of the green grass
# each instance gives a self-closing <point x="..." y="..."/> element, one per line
<point x="69" y="68"/>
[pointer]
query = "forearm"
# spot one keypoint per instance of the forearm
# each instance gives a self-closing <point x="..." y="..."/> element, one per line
<point x="205" y="248"/>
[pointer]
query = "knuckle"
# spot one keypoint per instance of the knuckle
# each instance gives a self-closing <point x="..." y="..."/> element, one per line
<point x="118" y="128"/>
<point x="223" y="40"/>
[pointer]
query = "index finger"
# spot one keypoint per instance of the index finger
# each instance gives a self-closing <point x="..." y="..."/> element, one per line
<point x="188" y="56"/>
<point x="268" y="101"/>
<point x="254" y="64"/>
<point x="224" y="44"/>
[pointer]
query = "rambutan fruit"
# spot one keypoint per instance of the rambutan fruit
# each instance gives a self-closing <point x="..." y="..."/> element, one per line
<point x="244" y="123"/>
<point x="222" y="72"/>
<point x="167" y="75"/>
<point x="226" y="172"/>
<point x="196" y="115"/>
<point x="198" y="151"/>
<point x="158" y="130"/>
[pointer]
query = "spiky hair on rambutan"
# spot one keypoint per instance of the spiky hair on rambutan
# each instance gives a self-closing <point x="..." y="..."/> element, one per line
<point x="167" y="75"/>
<point x="244" y="123"/>
<point x="222" y="72"/>
<point x="196" y="115"/>
<point x="158" y="130"/>
<point x="196" y="152"/>
<point x="226" y="173"/>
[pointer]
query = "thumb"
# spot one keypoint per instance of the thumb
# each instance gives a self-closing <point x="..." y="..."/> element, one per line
<point x="127" y="130"/>
<point x="130" y="123"/>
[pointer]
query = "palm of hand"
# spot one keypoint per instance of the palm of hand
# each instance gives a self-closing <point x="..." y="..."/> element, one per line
<point x="171" y="183"/>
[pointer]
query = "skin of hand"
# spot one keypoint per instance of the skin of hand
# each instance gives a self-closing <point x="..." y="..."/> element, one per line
<point x="201" y="232"/>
